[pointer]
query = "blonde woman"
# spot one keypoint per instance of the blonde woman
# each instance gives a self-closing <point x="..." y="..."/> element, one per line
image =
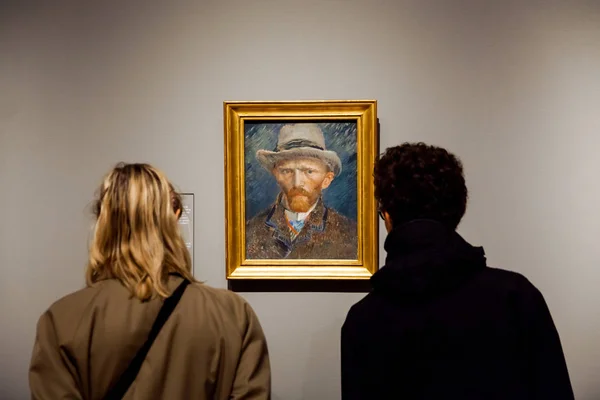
<point x="143" y="328"/>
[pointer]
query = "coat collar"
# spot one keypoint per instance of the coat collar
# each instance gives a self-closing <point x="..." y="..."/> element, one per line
<point x="315" y="222"/>
<point x="424" y="257"/>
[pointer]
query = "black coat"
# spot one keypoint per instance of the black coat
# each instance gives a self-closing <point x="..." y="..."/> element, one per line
<point x="440" y="324"/>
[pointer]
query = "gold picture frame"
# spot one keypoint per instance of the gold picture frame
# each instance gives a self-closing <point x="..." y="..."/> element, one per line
<point x="356" y="116"/>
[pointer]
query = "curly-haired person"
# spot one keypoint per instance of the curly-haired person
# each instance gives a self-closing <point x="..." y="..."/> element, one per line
<point x="439" y="323"/>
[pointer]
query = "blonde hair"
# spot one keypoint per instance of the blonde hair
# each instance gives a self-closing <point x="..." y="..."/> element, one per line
<point x="137" y="238"/>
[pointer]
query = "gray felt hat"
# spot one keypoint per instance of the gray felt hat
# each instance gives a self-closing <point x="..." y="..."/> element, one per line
<point x="300" y="140"/>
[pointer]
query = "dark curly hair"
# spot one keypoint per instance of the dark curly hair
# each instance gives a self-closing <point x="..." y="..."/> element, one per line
<point x="416" y="180"/>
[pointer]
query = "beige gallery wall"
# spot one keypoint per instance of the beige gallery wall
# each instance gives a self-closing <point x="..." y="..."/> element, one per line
<point x="512" y="87"/>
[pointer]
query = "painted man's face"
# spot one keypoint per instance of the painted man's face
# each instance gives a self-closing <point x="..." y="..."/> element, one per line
<point x="302" y="180"/>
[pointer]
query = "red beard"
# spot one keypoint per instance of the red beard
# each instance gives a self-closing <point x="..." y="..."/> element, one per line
<point x="299" y="200"/>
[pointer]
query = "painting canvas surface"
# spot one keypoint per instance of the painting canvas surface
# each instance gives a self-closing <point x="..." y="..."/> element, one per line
<point x="275" y="227"/>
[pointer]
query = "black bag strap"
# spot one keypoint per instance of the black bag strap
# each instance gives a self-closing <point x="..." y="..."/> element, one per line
<point x="120" y="388"/>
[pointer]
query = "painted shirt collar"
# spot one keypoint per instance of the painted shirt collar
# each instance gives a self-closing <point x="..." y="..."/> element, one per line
<point x="298" y="216"/>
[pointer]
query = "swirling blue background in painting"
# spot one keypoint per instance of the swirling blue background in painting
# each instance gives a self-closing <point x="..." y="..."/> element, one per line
<point x="261" y="187"/>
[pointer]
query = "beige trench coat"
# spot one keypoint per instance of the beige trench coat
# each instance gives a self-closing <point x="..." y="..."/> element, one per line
<point x="212" y="346"/>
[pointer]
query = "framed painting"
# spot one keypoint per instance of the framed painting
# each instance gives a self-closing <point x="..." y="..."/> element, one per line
<point x="299" y="196"/>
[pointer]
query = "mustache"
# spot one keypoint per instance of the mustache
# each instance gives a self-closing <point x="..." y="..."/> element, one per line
<point x="297" y="192"/>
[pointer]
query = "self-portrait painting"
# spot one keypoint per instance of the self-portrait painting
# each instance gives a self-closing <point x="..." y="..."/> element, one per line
<point x="300" y="179"/>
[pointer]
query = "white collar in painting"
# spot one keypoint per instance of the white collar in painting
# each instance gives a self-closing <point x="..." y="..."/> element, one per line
<point x="295" y="216"/>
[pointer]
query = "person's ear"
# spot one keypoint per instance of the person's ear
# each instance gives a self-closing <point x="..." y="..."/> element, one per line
<point x="388" y="221"/>
<point x="327" y="180"/>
